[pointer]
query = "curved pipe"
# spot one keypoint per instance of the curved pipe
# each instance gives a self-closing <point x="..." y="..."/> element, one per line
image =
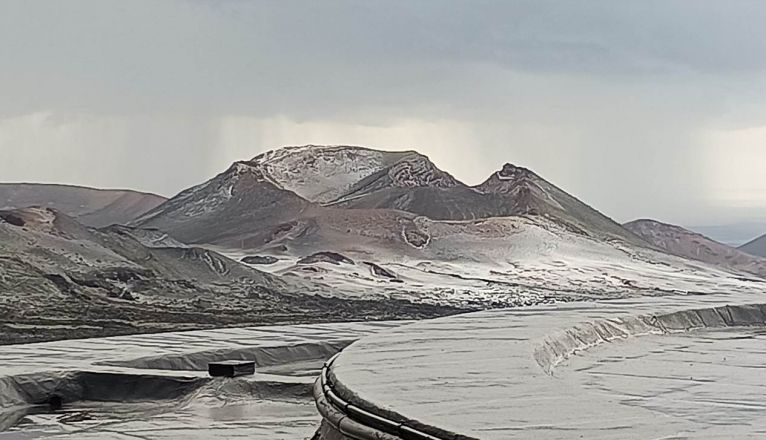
<point x="355" y="422"/>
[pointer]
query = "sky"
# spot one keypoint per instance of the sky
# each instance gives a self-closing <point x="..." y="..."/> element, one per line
<point x="644" y="109"/>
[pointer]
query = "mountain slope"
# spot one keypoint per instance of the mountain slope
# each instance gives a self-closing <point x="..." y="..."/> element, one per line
<point x="362" y="178"/>
<point x="735" y="234"/>
<point x="756" y="247"/>
<point x="58" y="274"/>
<point x="523" y="192"/>
<point x="245" y="207"/>
<point x="682" y="242"/>
<point x="249" y="205"/>
<point x="92" y="207"/>
<point x="409" y="181"/>
<point x="496" y="262"/>
<point x="414" y="184"/>
<point x="407" y="230"/>
<point x="242" y="203"/>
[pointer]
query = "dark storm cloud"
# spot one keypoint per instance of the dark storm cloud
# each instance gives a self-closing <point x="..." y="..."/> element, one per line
<point x="244" y="56"/>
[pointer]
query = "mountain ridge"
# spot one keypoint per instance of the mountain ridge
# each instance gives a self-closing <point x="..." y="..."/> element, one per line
<point x="322" y="173"/>
<point x="359" y="178"/>
<point x="436" y="194"/>
<point x="95" y="207"/>
<point x="225" y="205"/>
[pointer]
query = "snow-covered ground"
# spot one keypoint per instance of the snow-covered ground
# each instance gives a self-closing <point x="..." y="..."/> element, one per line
<point x="510" y="261"/>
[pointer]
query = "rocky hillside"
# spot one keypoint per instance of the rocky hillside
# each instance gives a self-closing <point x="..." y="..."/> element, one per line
<point x="523" y="192"/>
<point x="243" y="203"/>
<point x="57" y="274"/>
<point x="682" y="242"/>
<point x="90" y="206"/>
<point x="756" y="247"/>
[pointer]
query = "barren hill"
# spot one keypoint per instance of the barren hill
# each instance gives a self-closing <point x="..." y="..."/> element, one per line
<point x="90" y="206"/>
<point x="57" y="273"/>
<point x="241" y="203"/>
<point x="682" y="242"/>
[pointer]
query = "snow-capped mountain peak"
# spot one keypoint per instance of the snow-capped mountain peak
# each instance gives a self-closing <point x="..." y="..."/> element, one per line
<point x="322" y="173"/>
<point x="251" y="170"/>
<point x="243" y="179"/>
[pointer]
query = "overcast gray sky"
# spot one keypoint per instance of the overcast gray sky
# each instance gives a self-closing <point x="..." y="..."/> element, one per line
<point x="642" y="109"/>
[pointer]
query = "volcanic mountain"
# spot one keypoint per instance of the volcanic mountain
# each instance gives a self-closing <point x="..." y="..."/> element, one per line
<point x="684" y="243"/>
<point x="523" y="192"/>
<point x="362" y="178"/>
<point x="297" y="190"/>
<point x="359" y="220"/>
<point x="245" y="207"/>
<point x="90" y="206"/>
<point x="756" y="247"/>
<point x="350" y="177"/>
<point x="414" y="184"/>
<point x="242" y="203"/>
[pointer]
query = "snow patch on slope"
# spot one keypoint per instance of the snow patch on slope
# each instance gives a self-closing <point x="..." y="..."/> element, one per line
<point x="322" y="173"/>
<point x="207" y="197"/>
<point x="503" y="262"/>
<point x="416" y="171"/>
<point x="520" y="184"/>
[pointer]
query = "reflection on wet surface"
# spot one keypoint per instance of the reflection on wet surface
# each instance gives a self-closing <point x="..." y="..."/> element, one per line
<point x="715" y="379"/>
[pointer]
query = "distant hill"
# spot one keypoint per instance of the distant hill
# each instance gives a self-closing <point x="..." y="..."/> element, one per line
<point x="755" y="247"/>
<point x="733" y="234"/>
<point x="685" y="243"/>
<point x="90" y="206"/>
